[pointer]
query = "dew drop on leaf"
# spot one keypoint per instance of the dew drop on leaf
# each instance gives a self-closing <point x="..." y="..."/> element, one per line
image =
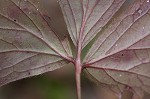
<point x="143" y="28"/>
<point x="140" y="11"/>
<point x="120" y="75"/>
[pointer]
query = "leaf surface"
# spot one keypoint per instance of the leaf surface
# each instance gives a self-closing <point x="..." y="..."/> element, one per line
<point x="28" y="46"/>
<point x="85" y="18"/>
<point x="122" y="51"/>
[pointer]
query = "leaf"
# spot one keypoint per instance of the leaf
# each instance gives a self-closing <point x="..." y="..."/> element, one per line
<point x="122" y="51"/>
<point x="120" y="55"/>
<point x="85" y="18"/>
<point x="28" y="45"/>
<point x="67" y="47"/>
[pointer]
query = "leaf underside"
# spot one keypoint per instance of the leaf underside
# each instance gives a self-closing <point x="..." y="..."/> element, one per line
<point x="122" y="51"/>
<point x="28" y="46"/>
<point x="119" y="56"/>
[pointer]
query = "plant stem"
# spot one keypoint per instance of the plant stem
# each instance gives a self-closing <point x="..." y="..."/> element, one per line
<point x="78" y="64"/>
<point x="78" y="68"/>
<point x="78" y="81"/>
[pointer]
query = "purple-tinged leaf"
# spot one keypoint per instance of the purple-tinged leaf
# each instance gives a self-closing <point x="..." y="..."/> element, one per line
<point x="123" y="32"/>
<point x="85" y="18"/>
<point x="120" y="56"/>
<point x="67" y="47"/>
<point x="122" y="51"/>
<point x="17" y="65"/>
<point x="28" y="46"/>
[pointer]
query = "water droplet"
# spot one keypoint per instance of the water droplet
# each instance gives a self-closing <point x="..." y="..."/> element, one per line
<point x="143" y="28"/>
<point x="116" y="45"/>
<point x="37" y="9"/>
<point x="120" y="75"/>
<point x="147" y="0"/>
<point x="140" y="11"/>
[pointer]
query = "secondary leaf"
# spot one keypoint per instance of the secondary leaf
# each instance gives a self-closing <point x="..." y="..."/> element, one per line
<point x="28" y="45"/>
<point x="85" y="18"/>
<point x="122" y="51"/>
<point x="67" y="47"/>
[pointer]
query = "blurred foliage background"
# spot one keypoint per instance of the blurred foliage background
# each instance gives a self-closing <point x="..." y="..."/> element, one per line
<point x="58" y="84"/>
